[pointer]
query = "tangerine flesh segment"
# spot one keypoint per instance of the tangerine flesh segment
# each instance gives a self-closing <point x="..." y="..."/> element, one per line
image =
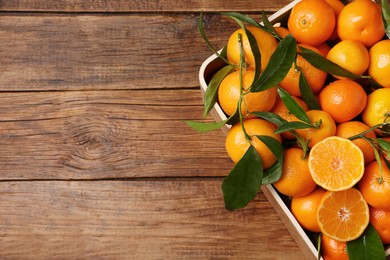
<point x="336" y="163"/>
<point x="343" y="215"/>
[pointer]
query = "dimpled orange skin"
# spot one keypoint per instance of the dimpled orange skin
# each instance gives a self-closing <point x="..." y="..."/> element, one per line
<point x="312" y="22"/>
<point x="343" y="99"/>
<point x="314" y="77"/>
<point x="375" y="193"/>
<point x="379" y="68"/>
<point x="266" y="42"/>
<point x="236" y="144"/>
<point x="229" y="94"/>
<point x="361" y="20"/>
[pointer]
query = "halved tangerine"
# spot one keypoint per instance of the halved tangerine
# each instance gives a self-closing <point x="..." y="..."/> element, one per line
<point x="336" y="163"/>
<point x="343" y="215"/>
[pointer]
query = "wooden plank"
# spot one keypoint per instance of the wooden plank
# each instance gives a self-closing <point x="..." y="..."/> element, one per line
<point x="74" y="52"/>
<point x="101" y="134"/>
<point x="140" y="6"/>
<point x="181" y="219"/>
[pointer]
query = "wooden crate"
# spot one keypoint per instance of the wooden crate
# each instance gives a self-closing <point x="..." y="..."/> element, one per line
<point x="207" y="70"/>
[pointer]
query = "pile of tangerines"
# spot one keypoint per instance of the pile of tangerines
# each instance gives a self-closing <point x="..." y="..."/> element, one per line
<point x="337" y="176"/>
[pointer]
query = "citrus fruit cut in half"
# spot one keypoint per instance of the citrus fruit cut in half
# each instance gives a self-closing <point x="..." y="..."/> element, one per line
<point x="343" y="215"/>
<point x="336" y="163"/>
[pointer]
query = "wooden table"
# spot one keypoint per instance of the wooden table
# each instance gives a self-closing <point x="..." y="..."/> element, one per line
<point x="95" y="159"/>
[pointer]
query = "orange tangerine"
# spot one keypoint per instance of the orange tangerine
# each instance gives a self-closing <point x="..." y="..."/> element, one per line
<point x="332" y="249"/>
<point x="305" y="209"/>
<point x="236" y="143"/>
<point x="229" y="94"/>
<point x="377" y="110"/>
<point x="379" y="68"/>
<point x="311" y="21"/>
<point x="343" y="99"/>
<point x="361" y="20"/>
<point x="266" y="42"/>
<point x="296" y="180"/>
<point x="380" y="220"/>
<point x="375" y="186"/>
<point x="351" y="55"/>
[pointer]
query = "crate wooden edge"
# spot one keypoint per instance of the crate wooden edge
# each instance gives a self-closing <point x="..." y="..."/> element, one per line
<point x="299" y="235"/>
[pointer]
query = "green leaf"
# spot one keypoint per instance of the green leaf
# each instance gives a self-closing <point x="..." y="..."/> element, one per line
<point x="205" y="38"/>
<point x="256" y="53"/>
<point x="307" y="93"/>
<point x="367" y="247"/>
<point x="289" y="126"/>
<point x="320" y="62"/>
<point x="273" y="173"/>
<point x="385" y="145"/>
<point x="243" y="182"/>
<point x="267" y="25"/>
<point x="386" y="16"/>
<point x="292" y="106"/>
<point x="271" y="117"/>
<point x="278" y="65"/>
<point x="210" y="126"/>
<point x="243" y="18"/>
<point x="211" y="95"/>
<point x="254" y="47"/>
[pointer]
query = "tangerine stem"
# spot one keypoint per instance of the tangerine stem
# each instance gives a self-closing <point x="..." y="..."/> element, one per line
<point x="302" y="142"/>
<point x="367" y="131"/>
<point x="241" y="65"/>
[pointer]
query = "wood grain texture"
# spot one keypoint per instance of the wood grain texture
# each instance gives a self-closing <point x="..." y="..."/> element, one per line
<point x="80" y="52"/>
<point x="135" y="220"/>
<point x="139" y="6"/>
<point x="100" y="134"/>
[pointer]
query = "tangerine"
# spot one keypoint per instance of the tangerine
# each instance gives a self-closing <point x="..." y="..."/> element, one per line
<point x="343" y="99"/>
<point x="305" y="208"/>
<point x="332" y="249"/>
<point x="379" y="68"/>
<point x="375" y="186"/>
<point x="266" y="42"/>
<point x="311" y="22"/>
<point x="229" y="94"/>
<point x="361" y="20"/>
<point x="296" y="180"/>
<point x="237" y="144"/>
<point x="380" y="220"/>
<point x="377" y="110"/>
<point x="351" y="55"/>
